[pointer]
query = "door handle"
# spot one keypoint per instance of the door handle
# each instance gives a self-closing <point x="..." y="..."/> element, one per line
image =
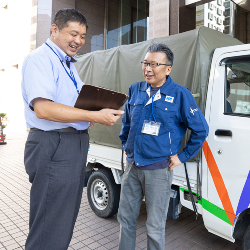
<point x="222" y="132"/>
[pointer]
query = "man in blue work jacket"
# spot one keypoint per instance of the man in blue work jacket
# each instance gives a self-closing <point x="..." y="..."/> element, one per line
<point x="156" y="117"/>
<point x="56" y="149"/>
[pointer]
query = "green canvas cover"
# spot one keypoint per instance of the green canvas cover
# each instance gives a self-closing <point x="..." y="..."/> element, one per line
<point x="119" y="67"/>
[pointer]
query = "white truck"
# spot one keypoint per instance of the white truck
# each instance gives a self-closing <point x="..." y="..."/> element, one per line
<point x="216" y="69"/>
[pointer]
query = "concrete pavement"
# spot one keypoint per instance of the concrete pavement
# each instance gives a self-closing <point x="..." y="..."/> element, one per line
<point x="91" y="232"/>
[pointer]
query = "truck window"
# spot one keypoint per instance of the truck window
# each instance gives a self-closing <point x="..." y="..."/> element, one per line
<point x="237" y="88"/>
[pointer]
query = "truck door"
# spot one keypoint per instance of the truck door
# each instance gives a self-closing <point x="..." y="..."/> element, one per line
<point x="227" y="148"/>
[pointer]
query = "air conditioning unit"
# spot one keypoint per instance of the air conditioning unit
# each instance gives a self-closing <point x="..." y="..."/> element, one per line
<point x="219" y="11"/>
<point x="210" y="6"/>
<point x="219" y="2"/>
<point x="219" y="21"/>
<point x="210" y="16"/>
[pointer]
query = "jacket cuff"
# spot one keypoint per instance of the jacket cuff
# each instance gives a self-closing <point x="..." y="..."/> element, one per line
<point x="182" y="157"/>
<point x="123" y="145"/>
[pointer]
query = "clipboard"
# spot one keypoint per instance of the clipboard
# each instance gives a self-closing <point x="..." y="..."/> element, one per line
<point x="95" y="98"/>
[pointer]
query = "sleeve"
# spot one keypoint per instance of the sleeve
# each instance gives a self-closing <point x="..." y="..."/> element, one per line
<point x="194" y="120"/>
<point x="125" y="123"/>
<point x="39" y="78"/>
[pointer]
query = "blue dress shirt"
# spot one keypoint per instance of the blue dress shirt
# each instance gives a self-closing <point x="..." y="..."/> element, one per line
<point x="44" y="76"/>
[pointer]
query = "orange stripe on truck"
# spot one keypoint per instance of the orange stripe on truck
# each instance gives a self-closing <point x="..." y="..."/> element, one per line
<point x="218" y="182"/>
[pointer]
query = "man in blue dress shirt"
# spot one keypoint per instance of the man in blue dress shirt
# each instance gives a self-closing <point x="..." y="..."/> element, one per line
<point x="57" y="145"/>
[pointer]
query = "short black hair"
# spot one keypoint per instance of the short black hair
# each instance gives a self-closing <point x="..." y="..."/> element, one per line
<point x="64" y="16"/>
<point x="163" y="48"/>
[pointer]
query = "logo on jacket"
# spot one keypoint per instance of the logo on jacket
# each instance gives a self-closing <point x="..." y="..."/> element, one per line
<point x="193" y="110"/>
<point x="169" y="99"/>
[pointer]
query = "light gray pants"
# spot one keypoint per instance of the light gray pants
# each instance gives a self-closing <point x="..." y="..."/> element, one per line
<point x="155" y="185"/>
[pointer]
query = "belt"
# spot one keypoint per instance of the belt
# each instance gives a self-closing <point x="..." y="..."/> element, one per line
<point x="65" y="130"/>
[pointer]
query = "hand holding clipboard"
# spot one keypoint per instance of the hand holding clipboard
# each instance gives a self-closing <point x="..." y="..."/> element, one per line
<point x="94" y="98"/>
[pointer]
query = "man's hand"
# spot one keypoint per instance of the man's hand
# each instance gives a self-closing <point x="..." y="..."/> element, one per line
<point x="52" y="111"/>
<point x="108" y="117"/>
<point x="91" y="124"/>
<point x="174" y="161"/>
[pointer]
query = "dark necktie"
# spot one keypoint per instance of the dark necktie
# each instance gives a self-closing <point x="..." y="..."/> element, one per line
<point x="68" y="63"/>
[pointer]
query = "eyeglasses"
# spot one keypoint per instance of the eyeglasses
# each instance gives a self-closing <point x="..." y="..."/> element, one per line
<point x="152" y="65"/>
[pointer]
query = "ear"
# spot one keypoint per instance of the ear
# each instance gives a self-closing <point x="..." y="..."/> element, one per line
<point x="54" y="30"/>
<point x="168" y="70"/>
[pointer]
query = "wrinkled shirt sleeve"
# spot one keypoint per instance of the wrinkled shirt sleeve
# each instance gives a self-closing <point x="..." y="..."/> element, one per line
<point x="194" y="120"/>
<point x="39" y="78"/>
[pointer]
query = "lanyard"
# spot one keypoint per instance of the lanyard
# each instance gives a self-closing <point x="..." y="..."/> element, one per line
<point x="71" y="75"/>
<point x="152" y="113"/>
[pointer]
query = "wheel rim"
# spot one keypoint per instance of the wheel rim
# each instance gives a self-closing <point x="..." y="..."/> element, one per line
<point x="99" y="194"/>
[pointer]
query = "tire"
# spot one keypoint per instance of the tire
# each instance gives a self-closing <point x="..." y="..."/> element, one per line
<point x="103" y="193"/>
<point x="246" y="239"/>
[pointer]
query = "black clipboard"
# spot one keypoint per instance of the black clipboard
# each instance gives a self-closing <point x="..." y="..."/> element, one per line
<point x="95" y="98"/>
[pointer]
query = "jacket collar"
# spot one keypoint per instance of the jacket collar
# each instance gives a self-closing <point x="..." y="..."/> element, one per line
<point x="164" y="88"/>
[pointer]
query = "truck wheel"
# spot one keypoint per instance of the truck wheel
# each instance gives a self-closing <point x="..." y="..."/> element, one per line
<point x="103" y="194"/>
<point x="246" y="239"/>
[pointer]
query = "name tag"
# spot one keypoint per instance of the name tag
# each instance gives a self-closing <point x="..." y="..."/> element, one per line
<point x="151" y="128"/>
<point x="169" y="99"/>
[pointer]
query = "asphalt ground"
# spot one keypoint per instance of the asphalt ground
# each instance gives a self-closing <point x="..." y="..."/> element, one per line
<point x="91" y="232"/>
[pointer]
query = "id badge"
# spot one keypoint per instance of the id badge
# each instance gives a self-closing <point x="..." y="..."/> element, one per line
<point x="151" y="128"/>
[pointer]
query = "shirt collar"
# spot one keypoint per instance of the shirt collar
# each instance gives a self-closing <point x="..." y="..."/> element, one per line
<point x="62" y="55"/>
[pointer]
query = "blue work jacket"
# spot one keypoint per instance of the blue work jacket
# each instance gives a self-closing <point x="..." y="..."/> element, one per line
<point x="176" y="110"/>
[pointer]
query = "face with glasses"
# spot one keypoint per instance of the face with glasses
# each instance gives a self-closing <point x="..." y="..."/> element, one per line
<point x="155" y="68"/>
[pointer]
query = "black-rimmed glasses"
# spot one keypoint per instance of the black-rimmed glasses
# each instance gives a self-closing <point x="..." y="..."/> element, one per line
<point x="152" y="65"/>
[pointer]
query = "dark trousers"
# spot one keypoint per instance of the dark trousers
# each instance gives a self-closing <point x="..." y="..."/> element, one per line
<point x="55" y="163"/>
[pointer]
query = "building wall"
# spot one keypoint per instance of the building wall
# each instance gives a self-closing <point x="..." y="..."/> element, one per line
<point x="46" y="10"/>
<point x="158" y="18"/>
<point x="213" y="15"/>
<point x="187" y="16"/>
<point x="113" y="24"/>
<point x="242" y="25"/>
<point x="94" y="11"/>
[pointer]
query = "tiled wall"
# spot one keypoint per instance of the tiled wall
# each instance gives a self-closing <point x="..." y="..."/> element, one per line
<point x="158" y="18"/>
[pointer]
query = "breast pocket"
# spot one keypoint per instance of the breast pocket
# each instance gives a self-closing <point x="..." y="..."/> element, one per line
<point x="165" y="113"/>
<point x="135" y="108"/>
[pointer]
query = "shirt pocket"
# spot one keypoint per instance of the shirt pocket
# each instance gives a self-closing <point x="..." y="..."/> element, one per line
<point x="135" y="108"/>
<point x="166" y="113"/>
